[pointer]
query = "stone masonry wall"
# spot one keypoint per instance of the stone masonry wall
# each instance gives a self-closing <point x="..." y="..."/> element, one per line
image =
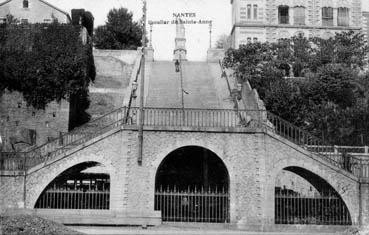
<point x="16" y="116"/>
<point x="253" y="161"/>
<point x="113" y="74"/>
<point x="11" y="191"/>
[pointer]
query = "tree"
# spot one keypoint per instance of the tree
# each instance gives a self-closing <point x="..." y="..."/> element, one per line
<point x="45" y="62"/>
<point x="119" y="32"/>
<point x="223" y="42"/>
<point x="332" y="99"/>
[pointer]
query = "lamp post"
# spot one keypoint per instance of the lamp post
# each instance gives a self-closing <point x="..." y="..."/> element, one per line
<point x="182" y="90"/>
<point x="142" y="87"/>
<point x="210" y="30"/>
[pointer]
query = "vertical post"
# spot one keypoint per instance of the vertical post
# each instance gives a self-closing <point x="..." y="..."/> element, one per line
<point x="182" y="91"/>
<point x="142" y="87"/>
<point x="150" y="44"/>
<point x="210" y="30"/>
<point x="25" y="180"/>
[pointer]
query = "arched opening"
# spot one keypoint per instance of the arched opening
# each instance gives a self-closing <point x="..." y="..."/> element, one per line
<point x="302" y="197"/>
<point x="83" y="186"/>
<point x="191" y="185"/>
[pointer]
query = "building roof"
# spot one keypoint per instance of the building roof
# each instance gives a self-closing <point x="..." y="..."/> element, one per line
<point x="43" y="1"/>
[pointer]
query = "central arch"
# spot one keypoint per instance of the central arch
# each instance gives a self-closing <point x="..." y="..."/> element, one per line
<point x="192" y="185"/>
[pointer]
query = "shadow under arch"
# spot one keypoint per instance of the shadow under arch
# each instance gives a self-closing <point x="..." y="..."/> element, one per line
<point x="83" y="186"/>
<point x="192" y="185"/>
<point x="319" y="204"/>
<point x="192" y="166"/>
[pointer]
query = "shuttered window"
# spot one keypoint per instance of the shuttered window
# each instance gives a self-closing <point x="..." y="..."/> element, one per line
<point x="327" y="16"/>
<point x="299" y="16"/>
<point x="343" y="16"/>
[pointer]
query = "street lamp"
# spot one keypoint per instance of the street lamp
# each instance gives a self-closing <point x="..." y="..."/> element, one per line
<point x="142" y="87"/>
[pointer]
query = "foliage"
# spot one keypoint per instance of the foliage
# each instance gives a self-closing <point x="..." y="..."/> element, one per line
<point x="223" y="42"/>
<point x="85" y="18"/>
<point x="119" y="32"/>
<point x="45" y="62"/>
<point x="331" y="98"/>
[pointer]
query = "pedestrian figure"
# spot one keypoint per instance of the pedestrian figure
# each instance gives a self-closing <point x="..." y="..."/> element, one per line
<point x="177" y="66"/>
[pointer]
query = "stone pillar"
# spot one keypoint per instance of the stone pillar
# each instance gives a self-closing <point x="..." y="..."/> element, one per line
<point x="149" y="53"/>
<point x="180" y="42"/>
<point x="364" y="207"/>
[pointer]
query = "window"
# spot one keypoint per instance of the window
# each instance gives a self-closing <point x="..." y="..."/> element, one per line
<point x="343" y="16"/>
<point x="283" y="15"/>
<point x="249" y="11"/>
<point x="25" y="3"/>
<point x="327" y="16"/>
<point x="299" y="17"/>
<point x="255" y="12"/>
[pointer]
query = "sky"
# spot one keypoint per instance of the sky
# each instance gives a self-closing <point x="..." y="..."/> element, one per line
<point x="219" y="11"/>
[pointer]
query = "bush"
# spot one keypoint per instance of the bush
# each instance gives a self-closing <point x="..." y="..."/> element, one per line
<point x="45" y="62"/>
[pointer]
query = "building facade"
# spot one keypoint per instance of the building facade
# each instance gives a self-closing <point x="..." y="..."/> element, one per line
<point x="366" y="25"/>
<point x="32" y="11"/>
<point x="269" y="20"/>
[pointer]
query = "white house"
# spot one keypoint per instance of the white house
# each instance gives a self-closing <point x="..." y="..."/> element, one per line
<point x="32" y="11"/>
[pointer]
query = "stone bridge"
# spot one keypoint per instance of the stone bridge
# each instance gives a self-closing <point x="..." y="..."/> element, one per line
<point x="253" y="158"/>
<point x="242" y="147"/>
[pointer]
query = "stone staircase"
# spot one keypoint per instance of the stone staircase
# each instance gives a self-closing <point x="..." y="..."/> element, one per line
<point x="202" y="85"/>
<point x="164" y="91"/>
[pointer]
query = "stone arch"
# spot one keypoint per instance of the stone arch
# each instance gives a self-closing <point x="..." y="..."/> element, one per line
<point x="343" y="185"/>
<point x="184" y="181"/>
<point x="205" y="143"/>
<point x="201" y="143"/>
<point x="86" y="176"/>
<point x="37" y="181"/>
<point x="195" y="147"/>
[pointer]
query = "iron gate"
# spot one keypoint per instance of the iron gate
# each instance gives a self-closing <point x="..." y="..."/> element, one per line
<point x="203" y="206"/>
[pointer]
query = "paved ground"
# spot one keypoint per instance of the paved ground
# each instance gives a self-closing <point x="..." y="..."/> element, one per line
<point x="202" y="82"/>
<point x="166" y="230"/>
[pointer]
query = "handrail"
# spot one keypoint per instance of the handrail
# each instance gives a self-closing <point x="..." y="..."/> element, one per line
<point x="177" y="117"/>
<point x="79" y="135"/>
<point x="314" y="144"/>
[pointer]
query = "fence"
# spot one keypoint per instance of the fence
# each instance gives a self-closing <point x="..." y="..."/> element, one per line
<point x="210" y="206"/>
<point x="193" y="118"/>
<point x="58" y="146"/>
<point x="74" y="199"/>
<point x="12" y="161"/>
<point x="314" y="144"/>
<point x="78" y="191"/>
<point x="319" y="210"/>
<point x="176" y="117"/>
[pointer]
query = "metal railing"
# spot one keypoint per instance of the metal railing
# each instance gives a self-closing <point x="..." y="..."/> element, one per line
<point x="314" y="144"/>
<point x="204" y="206"/>
<point x="62" y="198"/>
<point x="319" y="209"/>
<point x="54" y="148"/>
<point x="192" y="118"/>
<point x="176" y="117"/>
<point x="11" y="161"/>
